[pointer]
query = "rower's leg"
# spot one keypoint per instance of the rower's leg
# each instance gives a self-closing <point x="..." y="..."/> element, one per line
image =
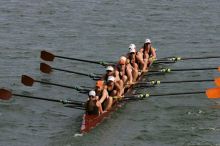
<point x="129" y="73"/>
<point x="141" y="62"/>
<point x="146" y="61"/>
<point x="109" y="103"/>
<point x="120" y="84"/>
<point x="124" y="79"/>
<point x="135" y="72"/>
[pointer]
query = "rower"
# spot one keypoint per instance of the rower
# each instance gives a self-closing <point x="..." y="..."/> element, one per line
<point x="113" y="89"/>
<point x="103" y="98"/>
<point x="110" y="71"/>
<point x="133" y="62"/>
<point x="149" y="53"/>
<point x="123" y="71"/>
<point x="92" y="107"/>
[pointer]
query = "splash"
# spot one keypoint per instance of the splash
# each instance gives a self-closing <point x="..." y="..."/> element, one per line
<point x="78" y="135"/>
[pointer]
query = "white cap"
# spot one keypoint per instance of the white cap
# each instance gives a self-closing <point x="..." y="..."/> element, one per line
<point x="110" y="68"/>
<point x="92" y="93"/>
<point x="132" y="48"/>
<point x="147" y="41"/>
<point x="111" y="78"/>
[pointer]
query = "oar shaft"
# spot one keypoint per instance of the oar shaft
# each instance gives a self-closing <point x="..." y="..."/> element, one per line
<point x="40" y="98"/>
<point x="180" y="93"/>
<point x="153" y="82"/>
<point x="71" y="87"/>
<point x="143" y="96"/>
<point x="207" y="57"/>
<point x="76" y="59"/>
<point x="93" y="76"/>
<point x="193" y="69"/>
<point x="186" y="58"/>
<point x="78" y="103"/>
<point x="186" y="81"/>
<point x="83" y="60"/>
<point x="164" y="70"/>
<point x="78" y="73"/>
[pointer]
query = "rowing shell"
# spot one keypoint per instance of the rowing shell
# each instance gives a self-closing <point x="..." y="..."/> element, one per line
<point x="91" y="121"/>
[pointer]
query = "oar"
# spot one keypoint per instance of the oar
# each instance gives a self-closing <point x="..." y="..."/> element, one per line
<point x="157" y="82"/>
<point x="187" y="58"/>
<point x="28" y="81"/>
<point x="210" y="93"/>
<point x="47" y="56"/>
<point x="165" y="70"/>
<point x="45" y="68"/>
<point x="163" y="61"/>
<point x="6" y="95"/>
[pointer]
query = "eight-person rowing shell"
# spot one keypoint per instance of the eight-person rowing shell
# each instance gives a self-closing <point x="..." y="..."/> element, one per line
<point x="112" y="85"/>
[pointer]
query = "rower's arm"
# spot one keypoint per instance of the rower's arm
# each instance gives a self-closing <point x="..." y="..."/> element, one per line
<point x="154" y="56"/>
<point x="117" y="75"/>
<point x="104" y="96"/>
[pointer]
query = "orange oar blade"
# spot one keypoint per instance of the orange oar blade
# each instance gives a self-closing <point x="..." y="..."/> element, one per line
<point x="5" y="94"/>
<point x="213" y="92"/>
<point x="219" y="68"/>
<point x="47" y="56"/>
<point x="26" y="80"/>
<point x="45" y="68"/>
<point x="217" y="82"/>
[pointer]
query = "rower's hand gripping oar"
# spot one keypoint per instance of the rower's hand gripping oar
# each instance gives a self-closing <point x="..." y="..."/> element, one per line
<point x="45" y="68"/>
<point x="6" y="95"/>
<point x="211" y="93"/>
<point x="28" y="81"/>
<point x="47" y="56"/>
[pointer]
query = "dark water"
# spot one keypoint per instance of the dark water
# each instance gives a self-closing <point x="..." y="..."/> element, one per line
<point x="102" y="30"/>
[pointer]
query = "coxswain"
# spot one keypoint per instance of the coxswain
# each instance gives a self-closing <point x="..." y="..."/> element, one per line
<point x="149" y="53"/>
<point x="133" y="61"/>
<point x="113" y="89"/>
<point x="92" y="106"/>
<point x="103" y="98"/>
